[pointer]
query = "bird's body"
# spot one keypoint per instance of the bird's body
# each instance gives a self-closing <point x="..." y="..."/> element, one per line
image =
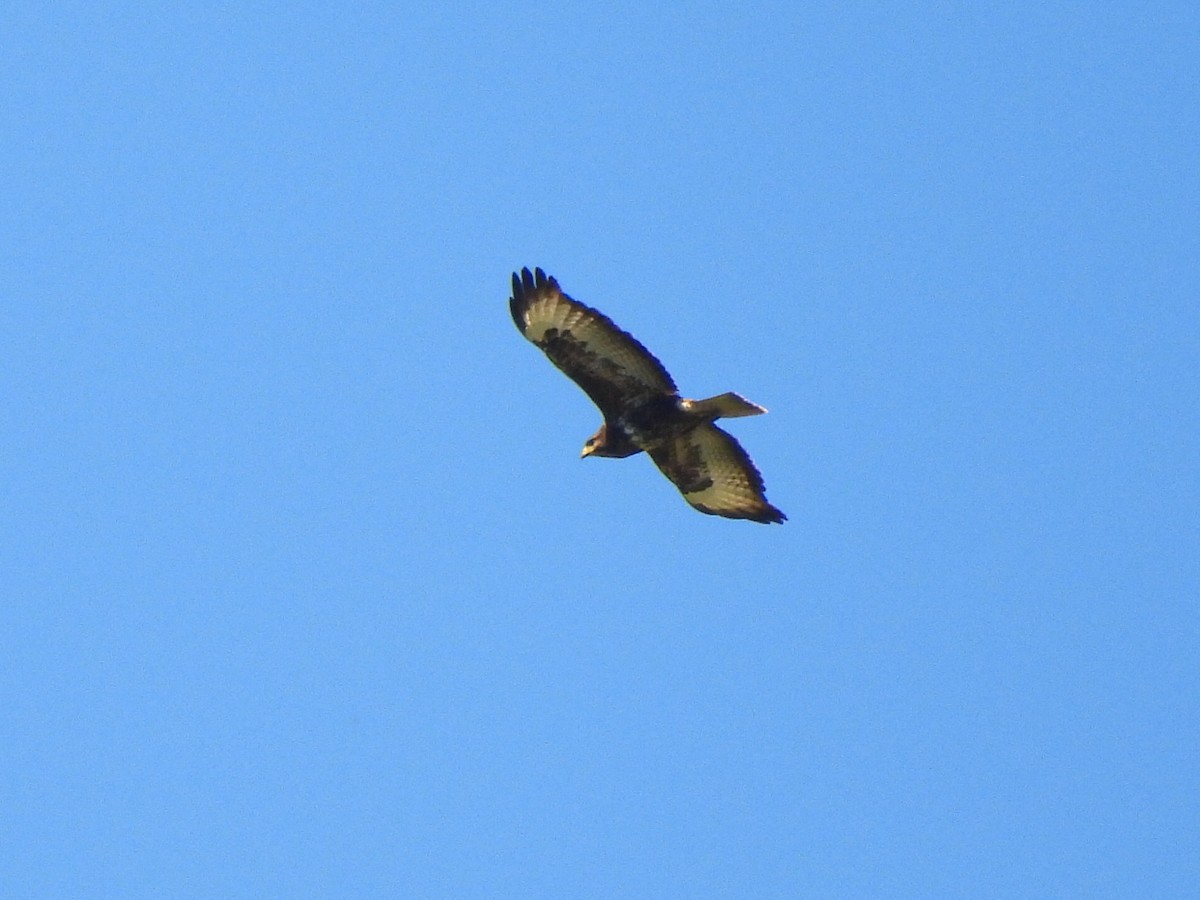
<point x="641" y="405"/>
<point x="644" y="426"/>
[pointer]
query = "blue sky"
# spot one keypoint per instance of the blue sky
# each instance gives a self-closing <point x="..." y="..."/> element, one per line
<point x="306" y="591"/>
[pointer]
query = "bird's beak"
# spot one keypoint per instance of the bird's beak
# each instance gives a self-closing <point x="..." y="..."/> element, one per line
<point x="587" y="451"/>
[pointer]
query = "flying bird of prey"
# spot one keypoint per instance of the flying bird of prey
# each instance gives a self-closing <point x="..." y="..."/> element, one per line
<point x="641" y="405"/>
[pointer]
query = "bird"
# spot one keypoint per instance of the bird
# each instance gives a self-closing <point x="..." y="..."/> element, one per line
<point x="641" y="405"/>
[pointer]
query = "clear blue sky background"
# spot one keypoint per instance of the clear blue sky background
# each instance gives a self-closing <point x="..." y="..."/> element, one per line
<point x="306" y="591"/>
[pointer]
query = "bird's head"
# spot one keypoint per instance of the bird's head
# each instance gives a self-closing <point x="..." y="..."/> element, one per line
<point x="594" y="443"/>
<point x="614" y="444"/>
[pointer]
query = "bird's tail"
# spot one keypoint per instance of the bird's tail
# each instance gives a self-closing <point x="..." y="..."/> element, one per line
<point x="726" y="406"/>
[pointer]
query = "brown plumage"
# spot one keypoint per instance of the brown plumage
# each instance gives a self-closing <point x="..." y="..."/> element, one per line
<point x="641" y="405"/>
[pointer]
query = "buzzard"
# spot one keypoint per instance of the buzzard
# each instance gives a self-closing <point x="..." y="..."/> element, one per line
<point x="641" y="405"/>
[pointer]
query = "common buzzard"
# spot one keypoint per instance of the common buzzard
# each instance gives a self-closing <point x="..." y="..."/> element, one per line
<point x="641" y="405"/>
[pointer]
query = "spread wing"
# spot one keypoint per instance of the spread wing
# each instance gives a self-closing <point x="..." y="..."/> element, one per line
<point x="610" y="365"/>
<point x="715" y="475"/>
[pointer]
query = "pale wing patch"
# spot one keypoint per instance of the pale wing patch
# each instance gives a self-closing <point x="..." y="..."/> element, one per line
<point x="550" y="311"/>
<point x="715" y="475"/>
<point x="546" y="315"/>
